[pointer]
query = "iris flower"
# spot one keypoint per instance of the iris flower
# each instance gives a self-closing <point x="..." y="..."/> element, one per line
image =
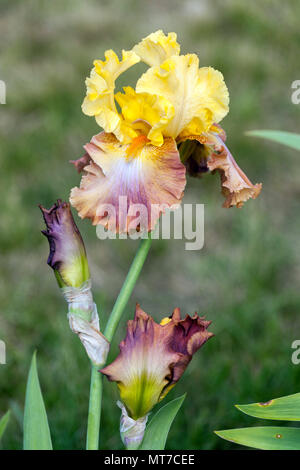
<point x="175" y="105"/>
<point x="153" y="357"/>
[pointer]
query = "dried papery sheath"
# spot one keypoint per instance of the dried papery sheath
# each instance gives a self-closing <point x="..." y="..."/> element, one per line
<point x="84" y="321"/>
<point x="69" y="261"/>
<point x="131" y="430"/>
<point x="94" y="342"/>
<point x="80" y="300"/>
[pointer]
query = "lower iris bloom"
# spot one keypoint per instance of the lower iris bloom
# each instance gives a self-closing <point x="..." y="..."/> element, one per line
<point x="137" y="156"/>
<point x="153" y="357"/>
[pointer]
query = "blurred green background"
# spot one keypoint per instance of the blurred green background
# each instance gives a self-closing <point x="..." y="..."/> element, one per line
<point x="245" y="279"/>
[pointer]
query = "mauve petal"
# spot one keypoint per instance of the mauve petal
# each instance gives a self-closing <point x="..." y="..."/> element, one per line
<point x="236" y="186"/>
<point x="208" y="152"/>
<point x="142" y="368"/>
<point x="153" y="178"/>
<point x="81" y="162"/>
<point x="188" y="335"/>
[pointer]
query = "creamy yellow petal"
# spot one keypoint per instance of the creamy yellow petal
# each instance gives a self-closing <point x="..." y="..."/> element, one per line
<point x="157" y="47"/>
<point x="156" y="111"/>
<point x="114" y="66"/>
<point x="188" y="134"/>
<point x="145" y="175"/>
<point x="99" y="100"/>
<point x="199" y="96"/>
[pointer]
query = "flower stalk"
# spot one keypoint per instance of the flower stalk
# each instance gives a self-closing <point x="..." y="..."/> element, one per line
<point x="127" y="288"/>
<point x="94" y="415"/>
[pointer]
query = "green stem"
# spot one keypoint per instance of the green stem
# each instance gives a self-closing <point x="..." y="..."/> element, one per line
<point x="94" y="415"/>
<point x="127" y="288"/>
<point x="133" y="446"/>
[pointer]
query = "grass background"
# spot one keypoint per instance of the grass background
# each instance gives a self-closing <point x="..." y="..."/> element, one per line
<point x="246" y="279"/>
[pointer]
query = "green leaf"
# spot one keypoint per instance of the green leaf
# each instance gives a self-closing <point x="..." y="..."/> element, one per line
<point x="36" y="428"/>
<point x="158" y="429"/>
<point x="286" y="138"/>
<point x="284" y="408"/>
<point x="4" y="422"/>
<point x="267" y="438"/>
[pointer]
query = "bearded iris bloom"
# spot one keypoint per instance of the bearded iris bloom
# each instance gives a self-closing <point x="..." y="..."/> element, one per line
<point x="153" y="357"/>
<point x="175" y="106"/>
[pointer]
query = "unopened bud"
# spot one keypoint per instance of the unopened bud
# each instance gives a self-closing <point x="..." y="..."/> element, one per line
<point x="69" y="261"/>
<point x="67" y="255"/>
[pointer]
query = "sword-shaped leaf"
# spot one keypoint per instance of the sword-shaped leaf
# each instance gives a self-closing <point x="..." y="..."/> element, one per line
<point x="284" y="408"/>
<point x="158" y="429"/>
<point x="36" y="428"/>
<point x="265" y="437"/>
<point x="4" y="422"/>
<point x="286" y="138"/>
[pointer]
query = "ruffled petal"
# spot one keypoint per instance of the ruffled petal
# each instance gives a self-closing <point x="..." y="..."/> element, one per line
<point x="154" y="110"/>
<point x="120" y="177"/>
<point x="81" y="162"/>
<point x="199" y="96"/>
<point x="153" y="357"/>
<point x="188" y="335"/>
<point x="99" y="100"/>
<point x="236" y="186"/>
<point x="157" y="47"/>
<point x="208" y="152"/>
